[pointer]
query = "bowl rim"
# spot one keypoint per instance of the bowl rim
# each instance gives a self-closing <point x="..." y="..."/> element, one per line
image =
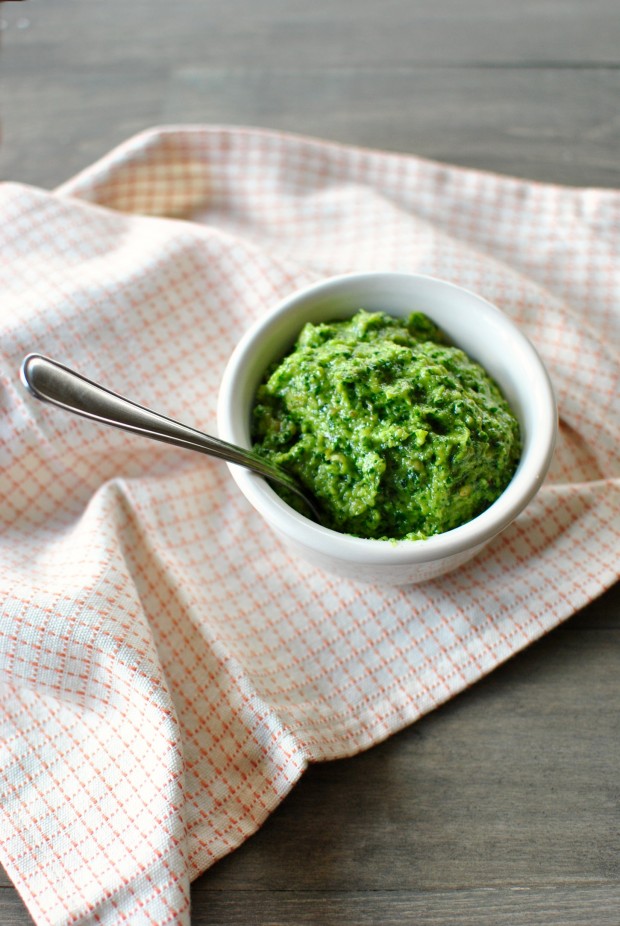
<point x="524" y="485"/>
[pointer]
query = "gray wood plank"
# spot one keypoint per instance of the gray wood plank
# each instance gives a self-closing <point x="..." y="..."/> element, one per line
<point x="552" y="907"/>
<point x="568" y="133"/>
<point x="329" y="33"/>
<point x="12" y="910"/>
<point x="522" y="88"/>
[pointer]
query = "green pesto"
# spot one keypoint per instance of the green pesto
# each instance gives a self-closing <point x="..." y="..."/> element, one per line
<point x="398" y="434"/>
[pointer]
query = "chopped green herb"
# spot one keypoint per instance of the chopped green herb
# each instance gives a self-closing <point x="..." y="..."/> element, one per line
<point x="397" y="433"/>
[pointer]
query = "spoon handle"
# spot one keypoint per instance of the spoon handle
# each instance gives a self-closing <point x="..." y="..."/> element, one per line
<point x="58" y="385"/>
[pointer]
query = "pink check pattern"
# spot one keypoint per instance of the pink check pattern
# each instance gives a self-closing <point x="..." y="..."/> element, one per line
<point x="167" y="671"/>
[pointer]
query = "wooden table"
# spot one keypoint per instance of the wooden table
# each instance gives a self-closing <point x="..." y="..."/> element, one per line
<point x="503" y="806"/>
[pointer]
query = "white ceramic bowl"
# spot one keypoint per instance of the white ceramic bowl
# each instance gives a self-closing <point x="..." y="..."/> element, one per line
<point x="472" y="323"/>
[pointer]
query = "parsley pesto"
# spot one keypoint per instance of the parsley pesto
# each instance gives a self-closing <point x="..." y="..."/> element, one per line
<point x="397" y="433"/>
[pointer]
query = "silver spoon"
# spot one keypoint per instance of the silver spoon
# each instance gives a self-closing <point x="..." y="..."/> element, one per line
<point x="55" y="383"/>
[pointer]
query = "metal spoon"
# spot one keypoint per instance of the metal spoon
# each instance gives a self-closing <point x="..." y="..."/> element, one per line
<point x="55" y="383"/>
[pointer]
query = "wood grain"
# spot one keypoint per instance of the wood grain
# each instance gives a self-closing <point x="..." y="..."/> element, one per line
<point x="502" y="807"/>
<point x="519" y="907"/>
<point x="518" y="87"/>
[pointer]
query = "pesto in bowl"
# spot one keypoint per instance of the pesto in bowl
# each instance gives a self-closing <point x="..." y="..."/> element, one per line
<point x="397" y="433"/>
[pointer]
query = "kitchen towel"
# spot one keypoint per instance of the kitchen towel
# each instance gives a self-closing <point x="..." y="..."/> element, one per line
<point x="167" y="671"/>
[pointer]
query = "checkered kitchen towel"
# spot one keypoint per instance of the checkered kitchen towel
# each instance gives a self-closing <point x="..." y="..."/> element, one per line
<point x="167" y="671"/>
